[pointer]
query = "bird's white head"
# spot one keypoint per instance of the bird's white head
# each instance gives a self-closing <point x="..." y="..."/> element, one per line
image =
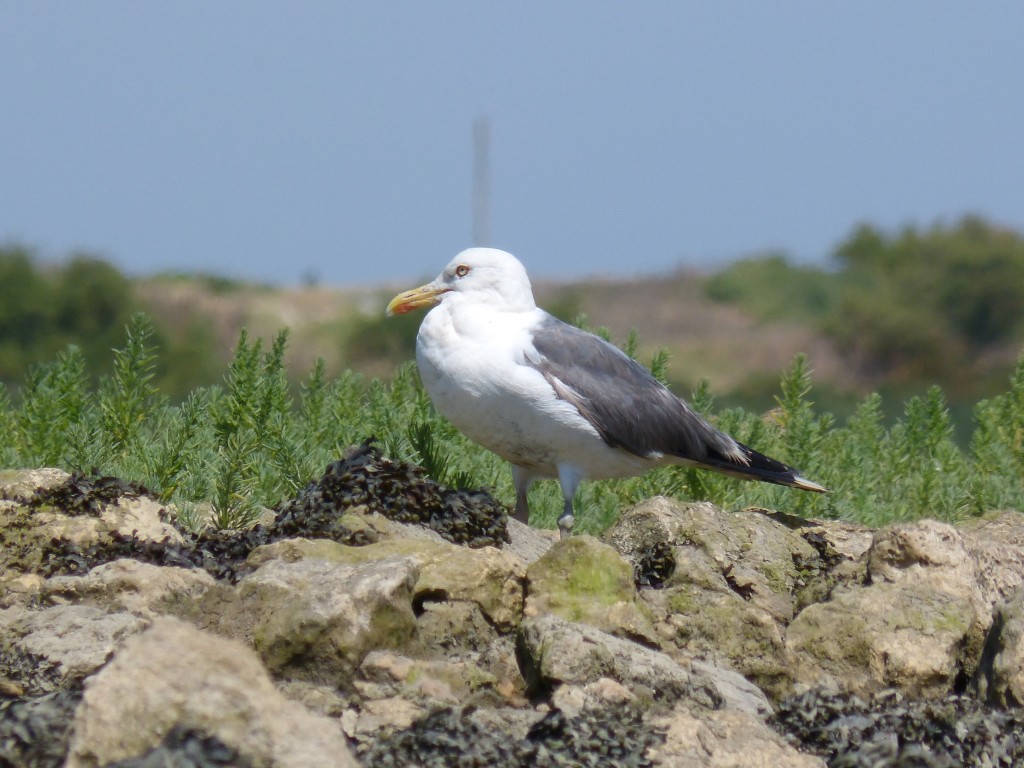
<point x="479" y="275"/>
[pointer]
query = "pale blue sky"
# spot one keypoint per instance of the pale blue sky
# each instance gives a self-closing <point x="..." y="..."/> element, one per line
<point x="271" y="140"/>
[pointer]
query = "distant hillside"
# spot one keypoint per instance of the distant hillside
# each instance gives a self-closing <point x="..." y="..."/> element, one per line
<point x="347" y="327"/>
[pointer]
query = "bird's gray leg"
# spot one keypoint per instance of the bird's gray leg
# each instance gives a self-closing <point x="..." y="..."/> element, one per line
<point x="566" y="521"/>
<point x="569" y="478"/>
<point x="522" y="481"/>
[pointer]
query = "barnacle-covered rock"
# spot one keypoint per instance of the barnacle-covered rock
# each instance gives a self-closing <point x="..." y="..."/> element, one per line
<point x="81" y="494"/>
<point x="446" y="738"/>
<point x="654" y="565"/>
<point x="24" y="673"/>
<point x="68" y="524"/>
<point x="615" y="735"/>
<point x="72" y="522"/>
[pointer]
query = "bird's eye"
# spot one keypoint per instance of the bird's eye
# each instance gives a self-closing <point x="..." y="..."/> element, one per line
<point x="462" y="270"/>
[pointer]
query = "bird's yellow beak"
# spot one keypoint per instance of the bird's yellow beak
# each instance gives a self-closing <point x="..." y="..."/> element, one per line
<point x="418" y="298"/>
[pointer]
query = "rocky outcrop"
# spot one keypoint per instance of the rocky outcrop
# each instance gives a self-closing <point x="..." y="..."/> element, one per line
<point x="174" y="675"/>
<point x="556" y="652"/>
<point x="1000" y="675"/>
<point x="677" y="639"/>
<point x="736" y="583"/>
<point x="582" y="580"/>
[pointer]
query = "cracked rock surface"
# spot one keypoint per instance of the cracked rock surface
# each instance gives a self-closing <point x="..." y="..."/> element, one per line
<point x="379" y="619"/>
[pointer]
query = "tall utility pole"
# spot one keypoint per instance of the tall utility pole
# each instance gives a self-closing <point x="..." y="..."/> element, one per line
<point x="481" y="182"/>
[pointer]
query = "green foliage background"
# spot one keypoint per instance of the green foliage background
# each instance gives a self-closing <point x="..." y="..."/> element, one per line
<point x="86" y="303"/>
<point x="910" y="307"/>
<point x="252" y="441"/>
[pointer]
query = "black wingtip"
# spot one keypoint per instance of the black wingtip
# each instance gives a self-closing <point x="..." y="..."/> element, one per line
<point x="764" y="468"/>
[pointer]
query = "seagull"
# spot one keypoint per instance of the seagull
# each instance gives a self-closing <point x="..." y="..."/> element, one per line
<point x="553" y="400"/>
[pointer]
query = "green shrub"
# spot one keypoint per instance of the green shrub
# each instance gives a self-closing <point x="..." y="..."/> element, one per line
<point x="253" y="441"/>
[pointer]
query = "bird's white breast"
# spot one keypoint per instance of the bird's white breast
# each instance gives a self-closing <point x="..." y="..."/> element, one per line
<point x="472" y="363"/>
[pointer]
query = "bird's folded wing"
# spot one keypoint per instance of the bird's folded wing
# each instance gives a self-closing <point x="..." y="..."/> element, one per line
<point x="628" y="407"/>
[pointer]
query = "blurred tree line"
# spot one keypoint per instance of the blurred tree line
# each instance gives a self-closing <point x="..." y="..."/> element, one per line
<point x="85" y="302"/>
<point x="944" y="304"/>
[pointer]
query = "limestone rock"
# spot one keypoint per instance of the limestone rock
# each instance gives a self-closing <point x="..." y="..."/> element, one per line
<point x="553" y="652"/>
<point x="886" y="635"/>
<point x="600" y="694"/>
<point x="751" y="552"/>
<point x="24" y="482"/>
<point x="129" y="585"/>
<point x="731" y="594"/>
<point x="924" y="552"/>
<point x="583" y="580"/>
<point x="997" y="542"/>
<point x="451" y="628"/>
<point x="72" y="640"/>
<point x="1000" y="677"/>
<point x="491" y="578"/>
<point x="385" y="674"/>
<point x="726" y="738"/>
<point x="318" y="619"/>
<point x="528" y="544"/>
<point x="713" y="622"/>
<point x="379" y="719"/>
<point x="175" y="675"/>
<point x="374" y="527"/>
<point x="933" y="556"/>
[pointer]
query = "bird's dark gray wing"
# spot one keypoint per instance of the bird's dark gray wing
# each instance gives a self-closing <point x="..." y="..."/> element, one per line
<point x="628" y="407"/>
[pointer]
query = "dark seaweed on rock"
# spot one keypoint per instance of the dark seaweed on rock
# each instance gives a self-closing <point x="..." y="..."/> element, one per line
<point x="83" y="494"/>
<point x="220" y="553"/>
<point x="888" y="731"/>
<point x="186" y="748"/>
<point x="446" y="738"/>
<point x="27" y="672"/>
<point x="598" y="737"/>
<point x="655" y="566"/>
<point x="365" y="479"/>
<point x="744" y="589"/>
<point x="830" y="558"/>
<point x="450" y="738"/>
<point x="34" y="732"/>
